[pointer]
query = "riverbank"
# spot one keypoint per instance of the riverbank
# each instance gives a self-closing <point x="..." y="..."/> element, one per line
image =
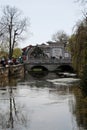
<point x="12" y="70"/>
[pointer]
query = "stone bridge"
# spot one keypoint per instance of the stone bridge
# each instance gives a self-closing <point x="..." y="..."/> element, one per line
<point x="48" y="65"/>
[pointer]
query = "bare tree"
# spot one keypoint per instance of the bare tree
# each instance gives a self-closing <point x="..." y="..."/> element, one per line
<point x="61" y="37"/>
<point x="82" y="1"/>
<point x="12" y="26"/>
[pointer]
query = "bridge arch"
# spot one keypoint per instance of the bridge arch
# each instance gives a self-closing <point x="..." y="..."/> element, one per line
<point x="65" y="68"/>
<point x="38" y="71"/>
<point x="38" y="68"/>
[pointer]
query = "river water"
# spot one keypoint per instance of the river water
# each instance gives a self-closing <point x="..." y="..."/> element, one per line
<point x="43" y="103"/>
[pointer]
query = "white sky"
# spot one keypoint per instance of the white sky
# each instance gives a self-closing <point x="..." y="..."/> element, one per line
<point x="47" y="17"/>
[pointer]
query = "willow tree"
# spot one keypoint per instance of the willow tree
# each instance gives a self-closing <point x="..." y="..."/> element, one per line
<point x="78" y="46"/>
<point x="12" y="27"/>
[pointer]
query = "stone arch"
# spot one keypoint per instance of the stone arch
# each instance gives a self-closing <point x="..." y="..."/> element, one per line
<point x="65" y="68"/>
<point x="38" y="71"/>
<point x="38" y="68"/>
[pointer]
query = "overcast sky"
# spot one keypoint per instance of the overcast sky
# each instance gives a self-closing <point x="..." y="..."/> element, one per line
<point x="47" y="17"/>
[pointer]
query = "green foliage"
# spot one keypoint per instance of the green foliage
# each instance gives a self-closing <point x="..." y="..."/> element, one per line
<point x="3" y="54"/>
<point x="17" y="52"/>
<point x="78" y="47"/>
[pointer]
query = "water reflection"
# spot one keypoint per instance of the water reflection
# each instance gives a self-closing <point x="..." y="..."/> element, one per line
<point x="46" y="103"/>
<point x="10" y="111"/>
<point x="38" y="74"/>
<point x="80" y="108"/>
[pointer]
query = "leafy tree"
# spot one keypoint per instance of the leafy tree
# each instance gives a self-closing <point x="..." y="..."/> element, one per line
<point x="3" y="54"/>
<point x="17" y="52"/>
<point x="12" y="26"/>
<point x="78" y="46"/>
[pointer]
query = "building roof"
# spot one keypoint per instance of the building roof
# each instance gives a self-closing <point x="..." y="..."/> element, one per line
<point x="55" y="43"/>
<point x="25" y="48"/>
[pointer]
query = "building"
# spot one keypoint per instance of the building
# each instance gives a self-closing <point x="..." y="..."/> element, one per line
<point x="51" y="49"/>
<point x="55" y="50"/>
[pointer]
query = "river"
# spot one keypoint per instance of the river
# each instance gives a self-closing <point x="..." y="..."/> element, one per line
<point x="42" y="103"/>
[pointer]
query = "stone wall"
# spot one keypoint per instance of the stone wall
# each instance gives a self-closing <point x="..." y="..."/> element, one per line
<point x="12" y="70"/>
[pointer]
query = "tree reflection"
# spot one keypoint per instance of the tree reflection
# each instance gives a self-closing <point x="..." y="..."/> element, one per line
<point x="81" y="100"/>
<point x="80" y="108"/>
<point x="10" y="113"/>
<point x="12" y="104"/>
<point x="83" y="84"/>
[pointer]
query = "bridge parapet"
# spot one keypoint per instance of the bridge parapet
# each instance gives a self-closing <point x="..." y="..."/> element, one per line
<point x="50" y="64"/>
<point x="53" y="61"/>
